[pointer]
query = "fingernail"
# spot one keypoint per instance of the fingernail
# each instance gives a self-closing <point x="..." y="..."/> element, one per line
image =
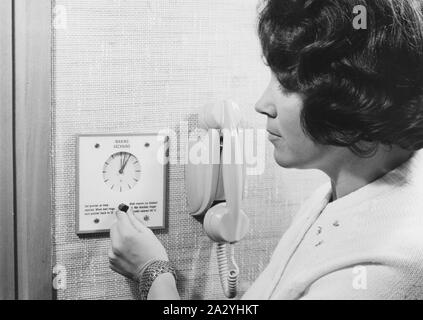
<point x="123" y="207"/>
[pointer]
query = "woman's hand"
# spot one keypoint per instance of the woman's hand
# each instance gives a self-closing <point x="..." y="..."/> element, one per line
<point x="133" y="244"/>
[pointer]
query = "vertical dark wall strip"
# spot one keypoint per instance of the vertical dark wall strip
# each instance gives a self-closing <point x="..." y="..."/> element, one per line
<point x="32" y="43"/>
<point x="7" y="267"/>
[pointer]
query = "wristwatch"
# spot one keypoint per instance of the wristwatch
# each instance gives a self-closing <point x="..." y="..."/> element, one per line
<point x="150" y="272"/>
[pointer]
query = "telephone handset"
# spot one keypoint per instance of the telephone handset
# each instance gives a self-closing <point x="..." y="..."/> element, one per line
<point x="220" y="178"/>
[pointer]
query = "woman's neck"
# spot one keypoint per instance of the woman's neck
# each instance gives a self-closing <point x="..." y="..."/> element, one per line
<point x="352" y="172"/>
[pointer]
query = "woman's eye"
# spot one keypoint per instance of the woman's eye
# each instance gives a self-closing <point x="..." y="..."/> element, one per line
<point x="283" y="89"/>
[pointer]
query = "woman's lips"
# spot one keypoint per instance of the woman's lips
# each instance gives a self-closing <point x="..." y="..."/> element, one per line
<point x="273" y="136"/>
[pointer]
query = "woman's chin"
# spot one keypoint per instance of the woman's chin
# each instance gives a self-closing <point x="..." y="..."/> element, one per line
<point x="283" y="158"/>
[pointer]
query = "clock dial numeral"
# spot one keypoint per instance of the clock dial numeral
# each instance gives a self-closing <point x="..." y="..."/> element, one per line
<point x="121" y="172"/>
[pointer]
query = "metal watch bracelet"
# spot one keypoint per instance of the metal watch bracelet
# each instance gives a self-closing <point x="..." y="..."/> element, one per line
<point x="150" y="272"/>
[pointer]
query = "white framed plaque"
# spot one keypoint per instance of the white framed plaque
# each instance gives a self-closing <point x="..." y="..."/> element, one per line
<point x="114" y="169"/>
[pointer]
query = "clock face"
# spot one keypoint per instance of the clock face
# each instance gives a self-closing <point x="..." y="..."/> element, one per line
<point x="121" y="172"/>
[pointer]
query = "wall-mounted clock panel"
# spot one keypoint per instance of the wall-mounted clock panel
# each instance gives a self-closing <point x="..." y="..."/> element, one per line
<point x="115" y="169"/>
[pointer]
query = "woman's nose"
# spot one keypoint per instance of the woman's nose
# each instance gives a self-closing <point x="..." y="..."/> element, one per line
<point x="265" y="104"/>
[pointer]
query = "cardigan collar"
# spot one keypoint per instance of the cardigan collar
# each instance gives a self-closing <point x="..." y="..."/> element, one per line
<point x="409" y="172"/>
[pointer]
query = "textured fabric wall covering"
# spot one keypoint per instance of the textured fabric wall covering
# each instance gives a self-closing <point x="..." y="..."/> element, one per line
<point x="141" y="66"/>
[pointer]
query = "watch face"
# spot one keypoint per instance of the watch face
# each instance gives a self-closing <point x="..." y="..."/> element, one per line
<point x="121" y="172"/>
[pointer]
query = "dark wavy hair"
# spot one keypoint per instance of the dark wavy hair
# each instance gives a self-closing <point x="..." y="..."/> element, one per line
<point x="362" y="87"/>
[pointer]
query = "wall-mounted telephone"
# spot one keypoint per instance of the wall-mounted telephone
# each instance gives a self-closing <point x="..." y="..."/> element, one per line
<point x="220" y="178"/>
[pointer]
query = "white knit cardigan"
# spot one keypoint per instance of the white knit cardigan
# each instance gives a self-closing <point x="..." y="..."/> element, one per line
<point x="365" y="245"/>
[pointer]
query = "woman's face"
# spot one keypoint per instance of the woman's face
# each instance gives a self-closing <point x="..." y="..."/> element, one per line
<point x="293" y="149"/>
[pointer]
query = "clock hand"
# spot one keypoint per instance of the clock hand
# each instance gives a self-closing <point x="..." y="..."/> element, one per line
<point x="121" y="163"/>
<point x="124" y="165"/>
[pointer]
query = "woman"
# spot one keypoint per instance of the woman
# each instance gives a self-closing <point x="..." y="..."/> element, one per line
<point x="349" y="102"/>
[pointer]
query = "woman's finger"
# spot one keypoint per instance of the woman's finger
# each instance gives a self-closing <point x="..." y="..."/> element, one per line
<point x="136" y="222"/>
<point x="124" y="225"/>
<point x="111" y="254"/>
<point x="114" y="236"/>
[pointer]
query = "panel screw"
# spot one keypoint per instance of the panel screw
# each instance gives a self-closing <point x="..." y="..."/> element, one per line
<point x="97" y="145"/>
<point x="147" y="145"/>
<point x="336" y="223"/>
<point x="97" y="220"/>
<point x="146" y="218"/>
